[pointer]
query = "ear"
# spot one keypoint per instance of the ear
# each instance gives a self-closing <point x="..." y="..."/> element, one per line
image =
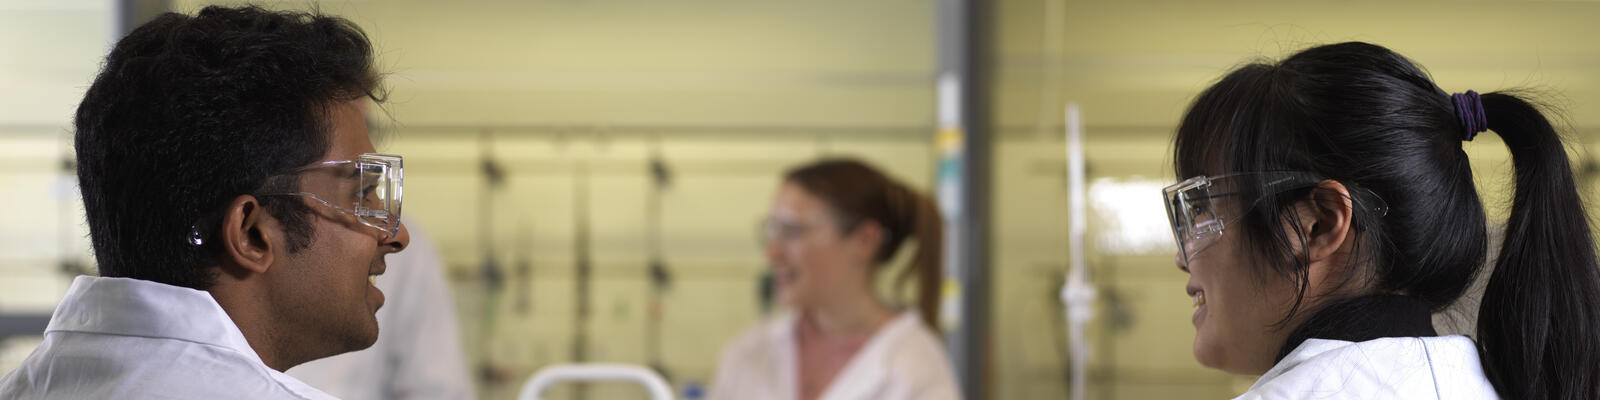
<point x="1325" y="218"/>
<point x="249" y="235"/>
<point x="867" y="236"/>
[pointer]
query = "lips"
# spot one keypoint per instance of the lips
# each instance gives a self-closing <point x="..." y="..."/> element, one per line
<point x="1199" y="303"/>
<point x="1199" y="296"/>
<point x="372" y="278"/>
<point x="783" y="274"/>
<point x="377" y="268"/>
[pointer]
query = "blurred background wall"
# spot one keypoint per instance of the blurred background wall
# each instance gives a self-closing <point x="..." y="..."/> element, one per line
<point x="626" y="134"/>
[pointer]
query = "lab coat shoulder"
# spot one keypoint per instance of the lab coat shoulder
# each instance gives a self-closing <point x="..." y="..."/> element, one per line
<point x="916" y="363"/>
<point x="1387" y="368"/>
<point x="204" y="371"/>
<point x="122" y="338"/>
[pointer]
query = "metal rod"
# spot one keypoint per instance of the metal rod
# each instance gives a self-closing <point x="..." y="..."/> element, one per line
<point x="23" y="324"/>
<point x="582" y="267"/>
<point x="676" y="131"/>
<point x="1077" y="295"/>
<point x="964" y="168"/>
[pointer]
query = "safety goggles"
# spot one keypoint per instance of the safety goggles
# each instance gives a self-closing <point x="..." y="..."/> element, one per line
<point x="1199" y="210"/>
<point x="773" y="230"/>
<point x="368" y="187"/>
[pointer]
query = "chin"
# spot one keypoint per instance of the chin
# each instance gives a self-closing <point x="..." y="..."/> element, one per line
<point x="786" y="297"/>
<point x="784" y="302"/>
<point x="366" y="340"/>
<point x="1203" y="360"/>
<point x="1207" y="356"/>
<point x="366" y="336"/>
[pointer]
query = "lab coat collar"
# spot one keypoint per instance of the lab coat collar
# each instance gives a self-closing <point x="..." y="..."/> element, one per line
<point x="1307" y="350"/>
<point x="785" y="355"/>
<point x="1446" y="367"/>
<point x="860" y="376"/>
<point x="136" y="307"/>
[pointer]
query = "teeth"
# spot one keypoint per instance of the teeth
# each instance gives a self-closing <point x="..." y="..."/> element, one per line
<point x="1199" y="299"/>
<point x="372" y="279"/>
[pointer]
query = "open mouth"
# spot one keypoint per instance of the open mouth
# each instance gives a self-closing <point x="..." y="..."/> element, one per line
<point x="783" y="274"/>
<point x="1196" y="294"/>
<point x="375" y="295"/>
<point x="377" y="268"/>
<point x="1197" y="299"/>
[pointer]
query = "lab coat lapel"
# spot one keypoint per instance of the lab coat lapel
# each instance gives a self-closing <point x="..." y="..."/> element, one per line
<point x="862" y="377"/>
<point x="787" y="363"/>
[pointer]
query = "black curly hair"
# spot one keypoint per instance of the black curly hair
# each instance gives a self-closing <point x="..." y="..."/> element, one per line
<point x="190" y="112"/>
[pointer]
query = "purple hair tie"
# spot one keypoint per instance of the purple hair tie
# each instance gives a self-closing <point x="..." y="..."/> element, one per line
<point x="1469" y="108"/>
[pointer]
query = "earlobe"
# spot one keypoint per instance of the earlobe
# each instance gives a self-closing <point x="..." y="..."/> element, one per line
<point x="248" y="235"/>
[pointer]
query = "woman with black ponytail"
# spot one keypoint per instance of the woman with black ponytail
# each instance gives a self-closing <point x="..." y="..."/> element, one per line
<point x="834" y="225"/>
<point x="1327" y="210"/>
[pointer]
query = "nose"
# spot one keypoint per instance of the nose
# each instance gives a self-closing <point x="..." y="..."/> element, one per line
<point x="398" y="242"/>
<point x="1178" y="260"/>
<point x="773" y="250"/>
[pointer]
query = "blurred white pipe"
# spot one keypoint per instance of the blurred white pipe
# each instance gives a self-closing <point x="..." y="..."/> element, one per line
<point x="1078" y="294"/>
<point x="549" y="376"/>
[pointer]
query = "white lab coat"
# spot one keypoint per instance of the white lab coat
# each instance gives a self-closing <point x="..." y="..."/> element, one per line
<point x="120" y="338"/>
<point x="1444" y="367"/>
<point x="902" y="361"/>
<point x="418" y="353"/>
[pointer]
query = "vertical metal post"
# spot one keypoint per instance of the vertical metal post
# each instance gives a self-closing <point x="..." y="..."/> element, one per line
<point x="584" y="271"/>
<point x="1078" y="295"/>
<point x="963" y="190"/>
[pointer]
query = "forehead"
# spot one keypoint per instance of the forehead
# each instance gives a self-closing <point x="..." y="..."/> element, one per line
<point x="795" y="202"/>
<point x="348" y="136"/>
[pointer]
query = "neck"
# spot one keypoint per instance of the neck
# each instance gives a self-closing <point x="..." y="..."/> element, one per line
<point x="852" y="314"/>
<point x="1363" y="318"/>
<point x="252" y="321"/>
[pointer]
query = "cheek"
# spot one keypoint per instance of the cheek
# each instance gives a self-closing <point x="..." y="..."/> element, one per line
<point x="814" y="267"/>
<point x="349" y="257"/>
<point x="793" y="253"/>
<point x="818" y="260"/>
<point x="1223" y="320"/>
<point x="363" y="257"/>
<point x="1231" y="331"/>
<point x="1238" y="332"/>
<point x="803" y="260"/>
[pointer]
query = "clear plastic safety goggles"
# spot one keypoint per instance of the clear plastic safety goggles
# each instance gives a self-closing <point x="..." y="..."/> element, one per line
<point x="1199" y="214"/>
<point x="368" y="187"/>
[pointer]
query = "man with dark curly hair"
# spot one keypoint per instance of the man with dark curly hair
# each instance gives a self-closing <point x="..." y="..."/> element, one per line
<point x="238" y="210"/>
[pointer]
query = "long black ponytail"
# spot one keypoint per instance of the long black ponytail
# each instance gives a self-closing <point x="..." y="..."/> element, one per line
<point x="1539" y="324"/>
